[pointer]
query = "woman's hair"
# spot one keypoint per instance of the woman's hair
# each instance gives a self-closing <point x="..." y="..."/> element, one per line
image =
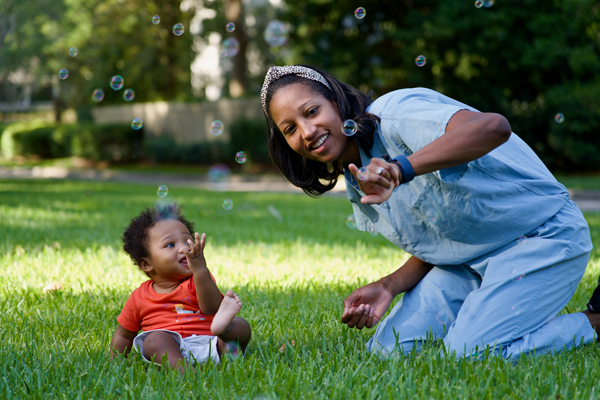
<point x="303" y="172"/>
<point x="135" y="237"/>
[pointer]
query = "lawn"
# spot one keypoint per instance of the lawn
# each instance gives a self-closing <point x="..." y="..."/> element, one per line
<point x="292" y="276"/>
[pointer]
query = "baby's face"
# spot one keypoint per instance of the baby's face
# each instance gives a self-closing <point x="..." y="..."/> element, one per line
<point x="167" y="240"/>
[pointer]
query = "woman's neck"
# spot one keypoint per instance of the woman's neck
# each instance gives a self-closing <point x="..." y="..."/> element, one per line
<point x="351" y="154"/>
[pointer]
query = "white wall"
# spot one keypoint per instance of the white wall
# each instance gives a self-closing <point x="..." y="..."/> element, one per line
<point x="186" y="122"/>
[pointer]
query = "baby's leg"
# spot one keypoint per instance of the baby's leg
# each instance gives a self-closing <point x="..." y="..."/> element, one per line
<point x="157" y="343"/>
<point x="227" y="326"/>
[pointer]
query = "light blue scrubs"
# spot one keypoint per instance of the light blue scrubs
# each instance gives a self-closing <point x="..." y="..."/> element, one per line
<point x="508" y="245"/>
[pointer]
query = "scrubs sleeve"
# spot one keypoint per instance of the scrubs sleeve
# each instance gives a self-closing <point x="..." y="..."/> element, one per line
<point x="419" y="120"/>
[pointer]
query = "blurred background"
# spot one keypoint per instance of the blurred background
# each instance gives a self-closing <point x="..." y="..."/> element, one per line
<point x="537" y="62"/>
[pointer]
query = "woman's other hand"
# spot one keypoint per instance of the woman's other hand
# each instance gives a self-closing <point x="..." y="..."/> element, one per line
<point x="377" y="187"/>
<point x="366" y="306"/>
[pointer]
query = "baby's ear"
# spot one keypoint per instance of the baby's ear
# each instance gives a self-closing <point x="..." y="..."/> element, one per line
<point x="144" y="265"/>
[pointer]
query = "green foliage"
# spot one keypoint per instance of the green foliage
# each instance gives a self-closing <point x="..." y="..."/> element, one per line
<point x="114" y="142"/>
<point x="250" y="135"/>
<point x="165" y="149"/>
<point x="525" y="59"/>
<point x="291" y="277"/>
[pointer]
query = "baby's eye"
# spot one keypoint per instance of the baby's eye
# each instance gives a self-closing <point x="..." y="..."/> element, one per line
<point x="170" y="244"/>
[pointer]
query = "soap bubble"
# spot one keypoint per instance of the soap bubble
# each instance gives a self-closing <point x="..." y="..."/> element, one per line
<point x="479" y="4"/>
<point x="420" y="61"/>
<point x="63" y="73"/>
<point x="360" y="12"/>
<point x="230" y="27"/>
<point x="216" y="127"/>
<point x="432" y="216"/>
<point x="488" y="3"/>
<point x="117" y="82"/>
<point x="231" y="47"/>
<point x="362" y="174"/>
<point x="232" y="350"/>
<point x="227" y="204"/>
<point x="128" y="95"/>
<point x="219" y="173"/>
<point x="156" y="19"/>
<point x="223" y="53"/>
<point x="559" y="118"/>
<point x="517" y="274"/>
<point x="515" y="310"/>
<point x="137" y="123"/>
<point x="178" y="29"/>
<point x="522" y="240"/>
<point x="240" y="157"/>
<point x="162" y="191"/>
<point x="442" y="317"/>
<point x="349" y="127"/>
<point x="351" y="222"/>
<point x="276" y="33"/>
<point x="73" y="51"/>
<point x="373" y="232"/>
<point x="98" y="95"/>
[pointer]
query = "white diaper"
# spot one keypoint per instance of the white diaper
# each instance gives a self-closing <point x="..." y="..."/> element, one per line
<point x="195" y="349"/>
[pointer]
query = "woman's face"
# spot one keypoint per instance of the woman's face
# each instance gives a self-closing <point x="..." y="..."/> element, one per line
<point x="311" y="124"/>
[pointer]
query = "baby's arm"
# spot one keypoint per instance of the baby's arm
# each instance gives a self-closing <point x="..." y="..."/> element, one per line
<point x="122" y="341"/>
<point x="208" y="294"/>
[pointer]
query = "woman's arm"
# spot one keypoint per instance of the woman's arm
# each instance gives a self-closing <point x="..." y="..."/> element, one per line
<point x="469" y="135"/>
<point x="367" y="305"/>
<point x="122" y="341"/>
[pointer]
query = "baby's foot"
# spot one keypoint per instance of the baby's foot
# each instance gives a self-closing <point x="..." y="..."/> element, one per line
<point x="230" y="306"/>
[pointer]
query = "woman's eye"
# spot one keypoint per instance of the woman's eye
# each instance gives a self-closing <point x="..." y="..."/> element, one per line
<point x="312" y="111"/>
<point x="290" y="129"/>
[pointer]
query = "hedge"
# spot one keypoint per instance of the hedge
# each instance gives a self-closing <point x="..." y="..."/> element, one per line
<point x="114" y="142"/>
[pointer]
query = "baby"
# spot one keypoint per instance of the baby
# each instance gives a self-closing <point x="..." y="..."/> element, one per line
<point x="180" y="310"/>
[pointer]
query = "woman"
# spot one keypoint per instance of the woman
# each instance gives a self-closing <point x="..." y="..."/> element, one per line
<point x="498" y="248"/>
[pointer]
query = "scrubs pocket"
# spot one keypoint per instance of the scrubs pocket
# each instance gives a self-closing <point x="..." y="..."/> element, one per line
<point x="448" y="212"/>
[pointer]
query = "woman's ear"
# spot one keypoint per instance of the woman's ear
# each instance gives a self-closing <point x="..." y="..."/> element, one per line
<point x="145" y="265"/>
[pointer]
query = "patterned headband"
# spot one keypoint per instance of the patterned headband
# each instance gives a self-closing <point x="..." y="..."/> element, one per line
<point x="275" y="73"/>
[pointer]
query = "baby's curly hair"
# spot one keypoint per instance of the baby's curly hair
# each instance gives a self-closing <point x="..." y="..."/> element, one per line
<point x="135" y="237"/>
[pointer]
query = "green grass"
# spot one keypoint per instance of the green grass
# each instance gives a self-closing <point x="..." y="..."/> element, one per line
<point x="291" y="275"/>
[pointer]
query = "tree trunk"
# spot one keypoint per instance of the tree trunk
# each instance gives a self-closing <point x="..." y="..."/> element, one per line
<point x="234" y="13"/>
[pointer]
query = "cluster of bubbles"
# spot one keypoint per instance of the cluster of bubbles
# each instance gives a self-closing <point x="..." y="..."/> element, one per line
<point x="362" y="174"/>
<point x="442" y="317"/>
<point x="63" y="73"/>
<point x="360" y="12"/>
<point x="351" y="222"/>
<point x="230" y="27"/>
<point x="276" y="33"/>
<point x="178" y="29"/>
<point x="559" y="118"/>
<point x="162" y="191"/>
<point x="420" y="60"/>
<point x="240" y="157"/>
<point x="227" y="204"/>
<point x="231" y="47"/>
<point x="73" y="51"/>
<point x="117" y="82"/>
<point x="156" y="19"/>
<point x="349" y="127"/>
<point x="216" y="127"/>
<point x="137" y="124"/>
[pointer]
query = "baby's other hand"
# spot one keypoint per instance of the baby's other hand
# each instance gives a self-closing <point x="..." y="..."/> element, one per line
<point x="195" y="253"/>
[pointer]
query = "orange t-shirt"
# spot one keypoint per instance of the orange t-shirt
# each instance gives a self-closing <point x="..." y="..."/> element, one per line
<point x="177" y="311"/>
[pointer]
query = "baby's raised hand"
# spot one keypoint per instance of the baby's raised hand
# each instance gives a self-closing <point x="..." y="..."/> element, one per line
<point x="195" y="253"/>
